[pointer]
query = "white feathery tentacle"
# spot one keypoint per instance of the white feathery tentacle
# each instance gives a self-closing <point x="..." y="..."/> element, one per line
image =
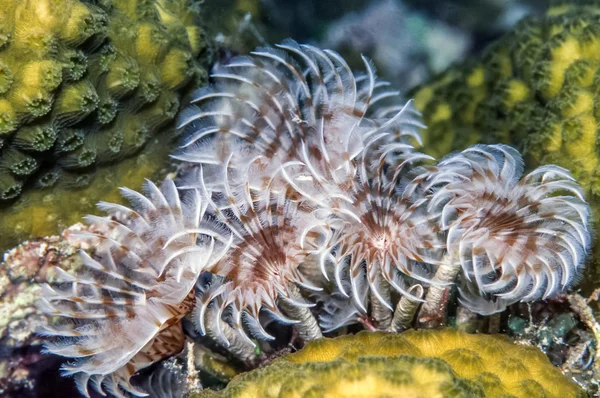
<point x="120" y="310"/>
<point x="515" y="238"/>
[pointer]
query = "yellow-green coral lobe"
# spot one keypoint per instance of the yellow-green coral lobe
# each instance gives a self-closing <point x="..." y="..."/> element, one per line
<point x="76" y="78"/>
<point x="45" y="211"/>
<point x="430" y="363"/>
<point x="547" y="61"/>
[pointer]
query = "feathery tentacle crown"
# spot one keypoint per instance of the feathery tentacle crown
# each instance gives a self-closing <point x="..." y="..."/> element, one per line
<point x="282" y="109"/>
<point x="386" y="236"/>
<point x="269" y="236"/>
<point x="515" y="238"/>
<point x="121" y="312"/>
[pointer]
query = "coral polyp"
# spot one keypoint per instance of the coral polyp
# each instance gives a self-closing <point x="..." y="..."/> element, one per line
<point x="63" y="64"/>
<point x="514" y="238"/>
<point x="112" y="73"/>
<point x="121" y="313"/>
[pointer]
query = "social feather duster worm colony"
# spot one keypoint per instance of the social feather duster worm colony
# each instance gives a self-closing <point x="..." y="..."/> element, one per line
<point x="296" y="180"/>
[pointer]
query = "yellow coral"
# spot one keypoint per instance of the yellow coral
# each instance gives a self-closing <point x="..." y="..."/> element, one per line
<point x="85" y="84"/>
<point x="431" y="363"/>
<point x="523" y="88"/>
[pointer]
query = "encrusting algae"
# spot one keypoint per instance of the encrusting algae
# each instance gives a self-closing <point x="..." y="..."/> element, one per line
<point x="430" y="363"/>
<point x="84" y="85"/>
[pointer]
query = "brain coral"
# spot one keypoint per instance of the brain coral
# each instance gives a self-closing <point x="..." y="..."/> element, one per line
<point x="86" y="84"/>
<point x="431" y="363"/>
<point x="537" y="88"/>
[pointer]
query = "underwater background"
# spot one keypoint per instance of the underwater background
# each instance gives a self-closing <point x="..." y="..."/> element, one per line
<point x="91" y="97"/>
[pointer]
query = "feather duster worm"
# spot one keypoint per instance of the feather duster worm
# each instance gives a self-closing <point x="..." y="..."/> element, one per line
<point x="296" y="103"/>
<point x="290" y="169"/>
<point x="283" y="119"/>
<point x="269" y="237"/>
<point x="385" y="237"/>
<point x="121" y="312"/>
<point x="294" y="121"/>
<point x="514" y="238"/>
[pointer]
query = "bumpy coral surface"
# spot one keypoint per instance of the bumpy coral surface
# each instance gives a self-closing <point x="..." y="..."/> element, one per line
<point x="536" y="88"/>
<point x="86" y="84"/>
<point x="441" y="363"/>
<point x="44" y="212"/>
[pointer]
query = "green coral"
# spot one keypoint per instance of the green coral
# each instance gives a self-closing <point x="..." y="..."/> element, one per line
<point x="43" y="212"/>
<point x="430" y="363"/>
<point x="84" y="85"/>
<point x="537" y="88"/>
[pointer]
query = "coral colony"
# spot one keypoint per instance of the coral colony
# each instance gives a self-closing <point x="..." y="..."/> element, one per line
<point x="83" y="85"/>
<point x="443" y="362"/>
<point x="301" y="186"/>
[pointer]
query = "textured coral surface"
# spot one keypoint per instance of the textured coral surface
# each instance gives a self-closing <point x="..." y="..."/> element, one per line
<point x="83" y="85"/>
<point x="537" y="88"/>
<point x="44" y="212"/>
<point x="434" y="363"/>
